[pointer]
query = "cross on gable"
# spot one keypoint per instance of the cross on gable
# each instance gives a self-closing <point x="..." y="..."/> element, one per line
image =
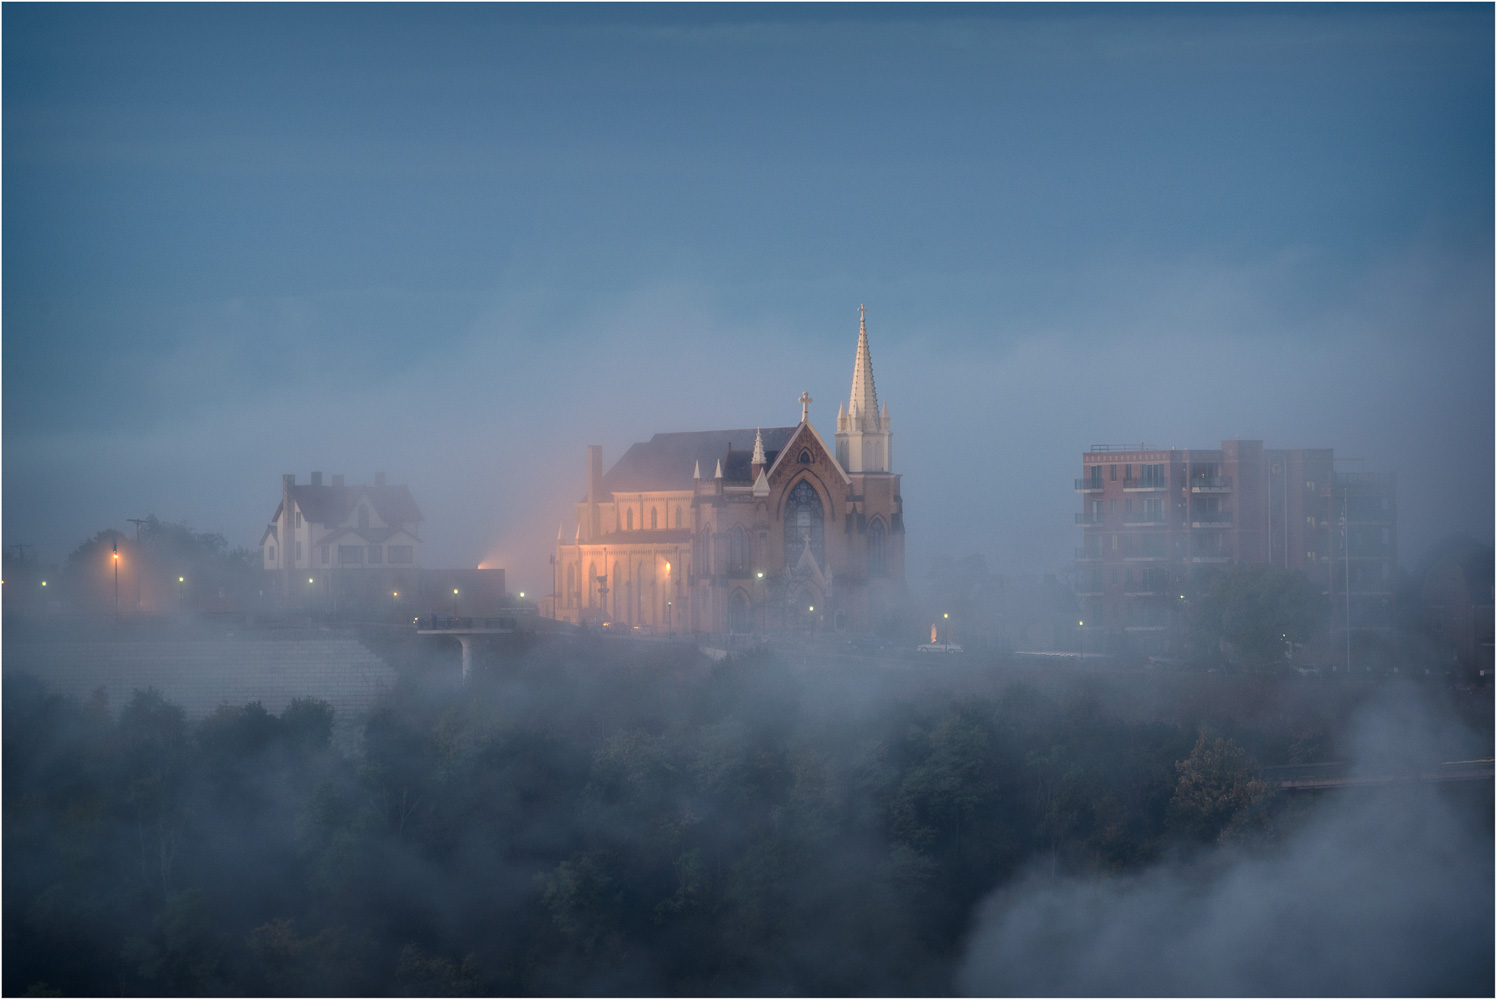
<point x="805" y="405"/>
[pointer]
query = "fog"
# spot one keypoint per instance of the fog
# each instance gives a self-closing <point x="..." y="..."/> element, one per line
<point x="460" y="245"/>
<point x="1383" y="892"/>
<point x="596" y="816"/>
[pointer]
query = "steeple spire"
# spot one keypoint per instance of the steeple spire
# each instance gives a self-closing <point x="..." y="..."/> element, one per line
<point x="758" y="458"/>
<point x="863" y="403"/>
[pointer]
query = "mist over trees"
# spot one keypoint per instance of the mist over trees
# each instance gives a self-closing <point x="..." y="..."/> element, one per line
<point x="623" y="817"/>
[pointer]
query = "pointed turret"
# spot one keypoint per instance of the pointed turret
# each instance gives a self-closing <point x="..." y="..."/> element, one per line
<point x="757" y="462"/>
<point x="696" y="473"/>
<point x="863" y="433"/>
<point x="719" y="473"/>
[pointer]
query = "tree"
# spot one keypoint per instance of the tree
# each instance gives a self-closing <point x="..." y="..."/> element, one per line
<point x="1256" y="613"/>
<point x="1218" y="793"/>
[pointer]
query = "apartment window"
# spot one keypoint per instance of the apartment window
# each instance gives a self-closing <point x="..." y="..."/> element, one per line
<point x="1112" y="473"/>
<point x="270" y="552"/>
<point x="1114" y="543"/>
<point x="1127" y="507"/>
<point x="1112" y="506"/>
<point x="1128" y="473"/>
<point x="350" y="555"/>
<point x="1095" y="471"/>
<point x="1114" y="574"/>
<point x="375" y="553"/>
<point x="401" y="554"/>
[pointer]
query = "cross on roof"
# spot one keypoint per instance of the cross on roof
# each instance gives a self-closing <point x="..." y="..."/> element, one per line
<point x="805" y="405"/>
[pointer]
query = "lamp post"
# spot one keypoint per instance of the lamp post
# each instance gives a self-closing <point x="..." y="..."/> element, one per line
<point x="1081" y="632"/>
<point x="181" y="589"/>
<point x="116" y="576"/>
<point x="946" y="618"/>
<point x="454" y="602"/>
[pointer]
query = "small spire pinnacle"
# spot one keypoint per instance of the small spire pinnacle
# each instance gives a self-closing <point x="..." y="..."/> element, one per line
<point x="758" y="458"/>
<point x="558" y="530"/>
<point x="719" y="473"/>
<point x="696" y="473"/>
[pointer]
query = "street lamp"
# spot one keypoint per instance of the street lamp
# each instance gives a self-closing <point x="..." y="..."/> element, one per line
<point x="116" y="576"/>
<point x="454" y="602"/>
<point x="1081" y="631"/>
<point x="946" y="617"/>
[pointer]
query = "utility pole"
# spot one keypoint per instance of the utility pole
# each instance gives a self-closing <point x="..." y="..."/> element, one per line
<point x="137" y="521"/>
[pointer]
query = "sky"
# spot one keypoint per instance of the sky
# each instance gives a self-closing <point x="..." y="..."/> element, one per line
<point x="458" y="244"/>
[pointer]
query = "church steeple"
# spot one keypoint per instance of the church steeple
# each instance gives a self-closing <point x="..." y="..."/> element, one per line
<point x="863" y="432"/>
<point x="863" y="403"/>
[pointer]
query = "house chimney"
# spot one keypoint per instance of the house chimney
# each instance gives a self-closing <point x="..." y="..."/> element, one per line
<point x="379" y="479"/>
<point x="316" y="479"/>
<point x="338" y="479"/>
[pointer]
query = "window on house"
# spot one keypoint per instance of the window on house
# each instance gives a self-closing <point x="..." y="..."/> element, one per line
<point x="1112" y="506"/>
<point x="350" y="555"/>
<point x="805" y="458"/>
<point x="298" y="519"/>
<point x="270" y="553"/>
<point x="1127" y="507"/>
<point x="401" y="553"/>
<point x="1128" y="473"/>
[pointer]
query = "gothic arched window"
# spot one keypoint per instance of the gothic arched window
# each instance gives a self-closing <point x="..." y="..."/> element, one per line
<point x="738" y="550"/>
<point x="804" y="523"/>
<point x="805" y="457"/>
<point x="629" y="519"/>
<point x="876" y="540"/>
<point x="654" y="518"/>
<point x="678" y="515"/>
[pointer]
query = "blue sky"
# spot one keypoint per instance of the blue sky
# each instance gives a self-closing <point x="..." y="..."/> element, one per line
<point x="458" y="244"/>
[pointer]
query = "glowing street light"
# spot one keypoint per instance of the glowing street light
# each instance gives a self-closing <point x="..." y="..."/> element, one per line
<point x="1081" y="631"/>
<point x="116" y="576"/>
<point x="454" y="602"/>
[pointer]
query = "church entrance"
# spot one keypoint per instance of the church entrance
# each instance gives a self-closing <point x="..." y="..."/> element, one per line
<point x="805" y="609"/>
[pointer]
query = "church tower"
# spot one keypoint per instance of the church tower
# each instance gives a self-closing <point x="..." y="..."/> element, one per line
<point x="862" y="429"/>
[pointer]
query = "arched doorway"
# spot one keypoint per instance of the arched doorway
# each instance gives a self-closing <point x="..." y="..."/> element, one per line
<point x="738" y="613"/>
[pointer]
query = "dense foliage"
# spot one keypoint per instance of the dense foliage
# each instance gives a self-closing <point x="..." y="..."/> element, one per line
<point x="610" y="819"/>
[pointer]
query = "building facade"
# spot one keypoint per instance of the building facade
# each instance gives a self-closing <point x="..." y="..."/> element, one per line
<point x="742" y="531"/>
<point x="1152" y="517"/>
<point x="333" y="544"/>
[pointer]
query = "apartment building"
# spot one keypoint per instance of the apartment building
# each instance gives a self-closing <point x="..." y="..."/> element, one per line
<point x="1151" y="517"/>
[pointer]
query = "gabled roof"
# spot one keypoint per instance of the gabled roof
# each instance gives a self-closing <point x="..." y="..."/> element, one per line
<point x="332" y="505"/>
<point x="665" y="462"/>
<point x="812" y="432"/>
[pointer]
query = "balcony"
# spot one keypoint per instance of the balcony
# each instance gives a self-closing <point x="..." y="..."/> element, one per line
<point x="1212" y="557"/>
<point x="1088" y="486"/>
<point x="1140" y="485"/>
<point x="1088" y="555"/>
<point x="1211" y="519"/>
<point x="1085" y="518"/>
<point x="1142" y="519"/>
<point x="1211" y="484"/>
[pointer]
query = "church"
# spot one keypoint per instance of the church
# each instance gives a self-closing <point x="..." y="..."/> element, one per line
<point x="742" y="531"/>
